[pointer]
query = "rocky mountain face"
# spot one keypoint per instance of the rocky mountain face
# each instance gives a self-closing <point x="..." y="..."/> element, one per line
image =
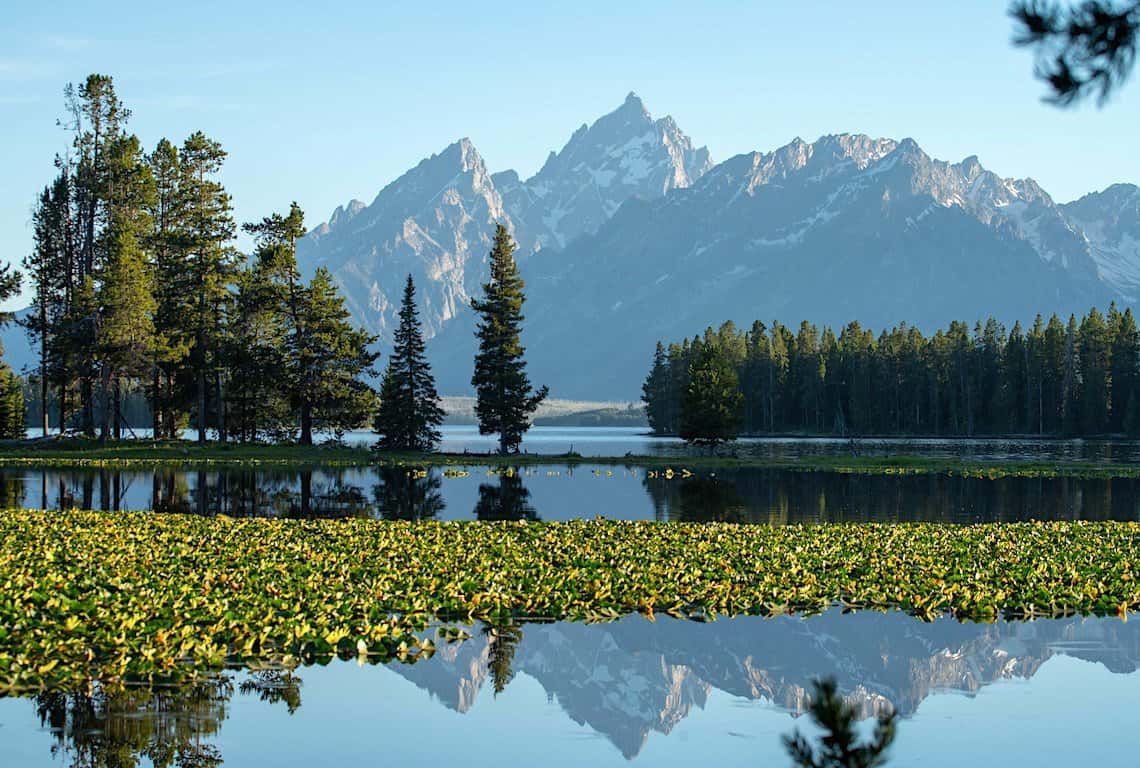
<point x="1110" y="224"/>
<point x="625" y="154"/>
<point x="436" y="221"/>
<point x="633" y="678"/>
<point x="845" y="228"/>
<point x="433" y="223"/>
<point x="629" y="235"/>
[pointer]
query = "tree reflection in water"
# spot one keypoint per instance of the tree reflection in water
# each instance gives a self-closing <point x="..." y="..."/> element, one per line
<point x="408" y="493"/>
<point x="502" y="641"/>
<point x="508" y="499"/>
<point x="115" y="727"/>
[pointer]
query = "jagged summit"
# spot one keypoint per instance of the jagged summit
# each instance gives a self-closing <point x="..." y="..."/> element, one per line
<point x="624" y="154"/>
<point x="654" y="239"/>
<point x="1109" y="221"/>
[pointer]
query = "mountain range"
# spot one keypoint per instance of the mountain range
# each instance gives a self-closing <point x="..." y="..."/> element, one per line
<point x="629" y="234"/>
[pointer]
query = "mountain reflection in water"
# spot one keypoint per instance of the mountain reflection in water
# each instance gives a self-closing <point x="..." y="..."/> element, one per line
<point x="625" y="681"/>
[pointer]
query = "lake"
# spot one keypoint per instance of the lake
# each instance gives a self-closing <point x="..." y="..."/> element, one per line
<point x="560" y="492"/>
<point x="1051" y="693"/>
<point x="667" y="693"/>
<point x="619" y="441"/>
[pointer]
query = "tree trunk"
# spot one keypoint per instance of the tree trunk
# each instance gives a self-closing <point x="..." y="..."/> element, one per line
<point x="220" y="404"/>
<point x="201" y="406"/>
<point x="156" y="412"/>
<point x="62" y="408"/>
<point x="105" y="401"/>
<point x="118" y="415"/>
<point x="86" y="395"/>
<point x="306" y="423"/>
<point x="43" y="371"/>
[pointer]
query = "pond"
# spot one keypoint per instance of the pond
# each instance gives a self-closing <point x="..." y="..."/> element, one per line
<point x="749" y="495"/>
<point x="1058" y="692"/>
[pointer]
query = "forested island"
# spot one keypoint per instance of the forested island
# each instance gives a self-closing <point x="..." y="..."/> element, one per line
<point x="1080" y="378"/>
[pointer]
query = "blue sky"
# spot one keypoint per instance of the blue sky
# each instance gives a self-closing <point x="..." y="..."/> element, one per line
<point x="326" y="102"/>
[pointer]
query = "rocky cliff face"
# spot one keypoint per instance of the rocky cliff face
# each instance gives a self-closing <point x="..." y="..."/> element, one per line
<point x="1109" y="221"/>
<point x="629" y="234"/>
<point x="435" y="222"/>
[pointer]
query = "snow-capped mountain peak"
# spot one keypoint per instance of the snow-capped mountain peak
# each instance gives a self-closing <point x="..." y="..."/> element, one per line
<point x="1110" y="223"/>
<point x="623" y="154"/>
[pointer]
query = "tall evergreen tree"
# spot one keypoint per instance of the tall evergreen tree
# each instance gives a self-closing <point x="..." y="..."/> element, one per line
<point x="12" y="410"/>
<point x="410" y="411"/>
<point x="12" y="407"/>
<point x="1093" y="351"/>
<point x="713" y="405"/>
<point x="327" y="358"/>
<point x="1125" y="374"/>
<point x="126" y="326"/>
<point x="504" y="401"/>
<point x="208" y="229"/>
<point x="654" y="393"/>
<point x="48" y="271"/>
<point x="174" y="293"/>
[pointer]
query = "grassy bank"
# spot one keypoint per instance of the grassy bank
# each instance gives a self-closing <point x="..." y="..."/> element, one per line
<point x="77" y="452"/>
<point x="114" y="595"/>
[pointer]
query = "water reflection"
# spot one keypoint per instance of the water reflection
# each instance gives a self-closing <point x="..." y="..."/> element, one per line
<point x="408" y="494"/>
<point x="508" y="499"/>
<point x="776" y="497"/>
<point x="166" y="726"/>
<point x="626" y="681"/>
<point x="749" y="495"/>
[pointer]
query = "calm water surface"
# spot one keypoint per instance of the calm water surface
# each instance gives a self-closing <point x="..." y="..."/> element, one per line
<point x="669" y="693"/>
<point x="618" y="441"/>
<point x="666" y="693"/>
<point x="749" y="495"/>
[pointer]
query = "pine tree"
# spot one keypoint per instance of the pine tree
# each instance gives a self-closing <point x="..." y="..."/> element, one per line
<point x="1125" y="372"/>
<point x="169" y="244"/>
<point x="256" y="355"/>
<point x="504" y="401"/>
<point x="327" y="357"/>
<point x="47" y="269"/>
<point x="12" y="413"/>
<point x="654" y="392"/>
<point x="208" y="229"/>
<point x="410" y="411"/>
<point x="1093" y="353"/>
<point x="126" y="325"/>
<point x="713" y="405"/>
<point x="12" y="408"/>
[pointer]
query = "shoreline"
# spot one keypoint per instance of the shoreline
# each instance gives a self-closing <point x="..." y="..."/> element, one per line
<point x="82" y="453"/>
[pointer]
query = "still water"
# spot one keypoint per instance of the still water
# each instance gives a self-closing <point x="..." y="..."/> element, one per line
<point x="668" y="693"/>
<point x="746" y="495"/>
<point x="619" y="441"/>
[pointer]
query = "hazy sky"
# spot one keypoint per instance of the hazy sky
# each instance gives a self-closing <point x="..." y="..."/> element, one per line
<point x="324" y="102"/>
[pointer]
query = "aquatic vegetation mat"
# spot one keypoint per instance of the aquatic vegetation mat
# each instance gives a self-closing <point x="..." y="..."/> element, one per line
<point x="127" y="595"/>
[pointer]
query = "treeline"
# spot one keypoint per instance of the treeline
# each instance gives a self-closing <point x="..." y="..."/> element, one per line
<point x="1076" y="378"/>
<point x="137" y="284"/>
